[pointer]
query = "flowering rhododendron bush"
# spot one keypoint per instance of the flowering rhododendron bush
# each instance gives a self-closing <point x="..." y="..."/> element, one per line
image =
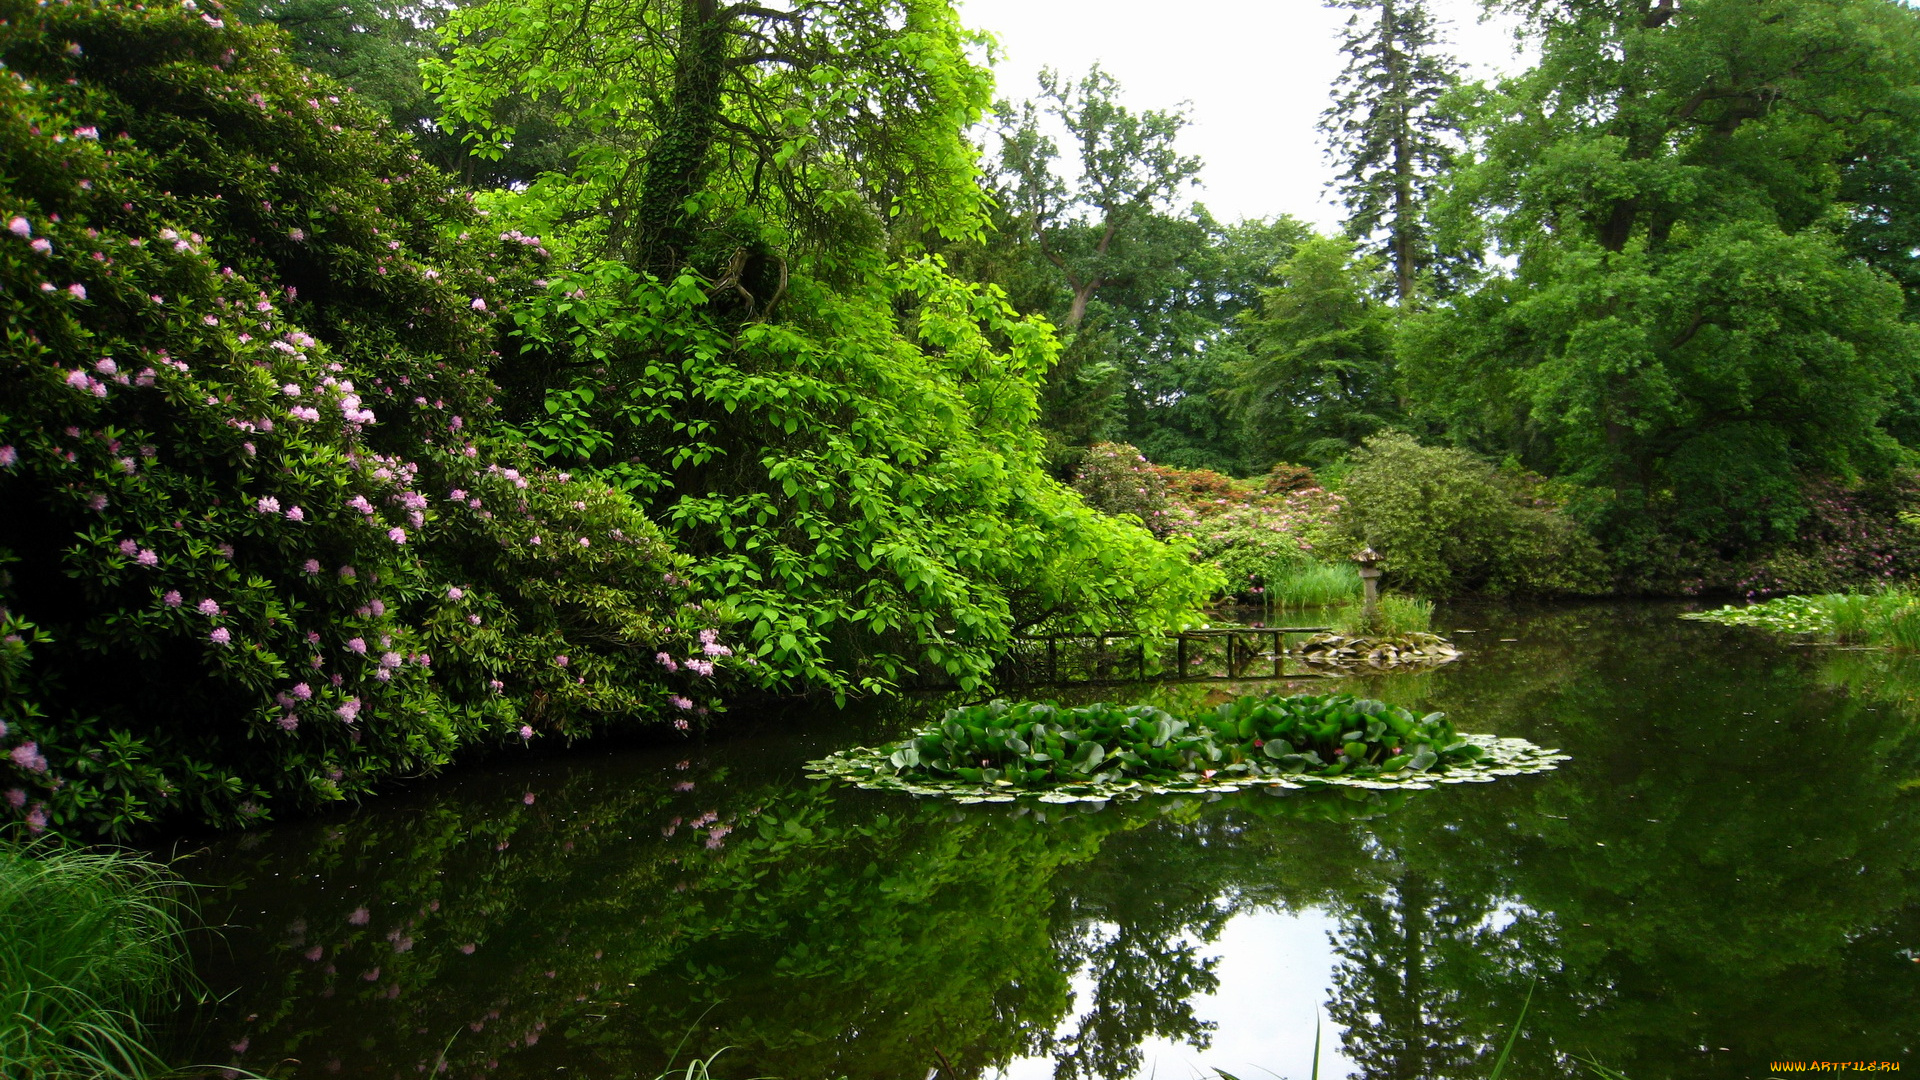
<point x="265" y="542"/>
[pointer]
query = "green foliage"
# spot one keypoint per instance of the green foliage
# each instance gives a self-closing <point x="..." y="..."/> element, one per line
<point x="1317" y="375"/>
<point x="272" y="542"/>
<point x="750" y="338"/>
<point x="1687" y="325"/>
<point x="1394" y="616"/>
<point x="1388" y="133"/>
<point x="1148" y="290"/>
<point x="1889" y="618"/>
<point x="1117" y="479"/>
<point x="868" y="492"/>
<point x="375" y="47"/>
<point x="1043" y="745"/>
<point x="1315" y="585"/>
<point x="90" y="946"/>
<point x="1448" y="523"/>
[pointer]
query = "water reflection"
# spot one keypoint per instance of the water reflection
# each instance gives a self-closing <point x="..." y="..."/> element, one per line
<point x="1730" y="861"/>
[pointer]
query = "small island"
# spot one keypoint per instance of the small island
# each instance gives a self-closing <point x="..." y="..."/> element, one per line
<point x="1000" y="751"/>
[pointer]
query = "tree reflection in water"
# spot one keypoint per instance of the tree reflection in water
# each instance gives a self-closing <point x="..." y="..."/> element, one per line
<point x="1730" y="860"/>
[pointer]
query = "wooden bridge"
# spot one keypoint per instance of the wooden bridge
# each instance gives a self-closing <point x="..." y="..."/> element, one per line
<point x="1235" y="652"/>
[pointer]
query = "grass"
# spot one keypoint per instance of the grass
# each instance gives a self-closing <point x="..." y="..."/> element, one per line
<point x="1889" y="618"/>
<point x="90" y="941"/>
<point x="1315" y="585"/>
<point x="1399" y="615"/>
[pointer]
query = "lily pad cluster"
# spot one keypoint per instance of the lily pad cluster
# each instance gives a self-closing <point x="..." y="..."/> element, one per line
<point x="1417" y="649"/>
<point x="999" y="751"/>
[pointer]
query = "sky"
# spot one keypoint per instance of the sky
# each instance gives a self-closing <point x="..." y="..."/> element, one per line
<point x="1255" y="72"/>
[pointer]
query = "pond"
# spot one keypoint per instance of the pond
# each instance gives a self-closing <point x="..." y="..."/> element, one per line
<point x="1727" y="874"/>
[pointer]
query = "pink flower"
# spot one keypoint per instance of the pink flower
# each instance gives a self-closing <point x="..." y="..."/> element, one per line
<point x="358" y="916"/>
<point x="16" y="797"/>
<point x="358" y="645"/>
<point x="526" y="731"/>
<point x="560" y="661"/>
<point x="527" y="798"/>
<point x="8" y="455"/>
<point x="468" y="948"/>
<point x="267" y="505"/>
<point x="479" y="304"/>
<point x="397" y="534"/>
<point x="296" y="514"/>
<point x="296" y="235"/>
<point x="311" y="566"/>
<point x="172" y="599"/>
<point x="679" y="702"/>
<point x="37" y="820"/>
<point x="19" y="227"/>
<point x="27" y="755"/>
<point x="78" y="290"/>
<point x="349" y="710"/>
<point x="454" y="593"/>
<point x="43" y="245"/>
<point x="147" y="558"/>
<point x="667" y="662"/>
<point x="220" y="636"/>
<point x="680" y="725"/>
<point x="207" y="607"/>
<point x="684" y="785"/>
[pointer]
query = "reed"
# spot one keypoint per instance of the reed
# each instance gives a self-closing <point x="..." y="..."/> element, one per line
<point x="1315" y="585"/>
<point x="1397" y="616"/>
<point x="90" y="942"/>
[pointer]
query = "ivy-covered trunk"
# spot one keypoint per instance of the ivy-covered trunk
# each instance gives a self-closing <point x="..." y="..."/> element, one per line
<point x="677" y="164"/>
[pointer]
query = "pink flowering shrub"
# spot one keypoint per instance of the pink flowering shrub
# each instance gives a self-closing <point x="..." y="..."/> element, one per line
<point x="267" y="541"/>
<point x="1115" y="478"/>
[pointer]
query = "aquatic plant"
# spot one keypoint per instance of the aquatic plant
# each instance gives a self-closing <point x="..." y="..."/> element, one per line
<point x="1395" y="616"/>
<point x="1889" y="617"/>
<point x="89" y="941"/>
<point x="999" y="749"/>
<point x="1316" y="585"/>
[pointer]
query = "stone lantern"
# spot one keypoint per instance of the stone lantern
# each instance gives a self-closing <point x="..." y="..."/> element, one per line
<point x="1369" y="561"/>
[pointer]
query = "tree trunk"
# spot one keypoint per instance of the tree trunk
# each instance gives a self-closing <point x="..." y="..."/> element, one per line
<point x="1400" y="94"/>
<point x="677" y="163"/>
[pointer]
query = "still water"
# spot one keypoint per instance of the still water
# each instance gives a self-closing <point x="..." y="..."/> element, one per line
<point x="1726" y="875"/>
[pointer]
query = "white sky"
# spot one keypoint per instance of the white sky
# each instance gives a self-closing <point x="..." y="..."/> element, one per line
<point x="1257" y="74"/>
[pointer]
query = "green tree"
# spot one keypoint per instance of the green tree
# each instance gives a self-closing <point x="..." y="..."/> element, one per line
<point x="1316" y="373"/>
<point x="376" y="48"/>
<point x="1684" y="327"/>
<point x="1109" y="227"/>
<point x="1387" y="132"/>
<point x="750" y="334"/>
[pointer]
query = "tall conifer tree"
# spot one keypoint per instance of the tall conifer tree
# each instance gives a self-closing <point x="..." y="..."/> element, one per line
<point x="1386" y="132"/>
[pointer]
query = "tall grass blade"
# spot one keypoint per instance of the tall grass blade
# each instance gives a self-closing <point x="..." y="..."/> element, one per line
<point x="1316" y="1044"/>
<point x="1500" y="1063"/>
<point x="90" y="941"/>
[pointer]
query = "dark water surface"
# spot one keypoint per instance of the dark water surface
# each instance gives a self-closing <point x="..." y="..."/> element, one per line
<point x="1727" y="874"/>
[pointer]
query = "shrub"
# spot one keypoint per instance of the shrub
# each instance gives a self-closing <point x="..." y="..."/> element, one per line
<point x="1449" y="523"/>
<point x="270" y="540"/>
<point x="1117" y="479"/>
<point x="1283" y="478"/>
<point x="89" y="942"/>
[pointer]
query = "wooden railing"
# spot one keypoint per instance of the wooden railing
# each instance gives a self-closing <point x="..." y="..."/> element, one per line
<point x="1232" y="652"/>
